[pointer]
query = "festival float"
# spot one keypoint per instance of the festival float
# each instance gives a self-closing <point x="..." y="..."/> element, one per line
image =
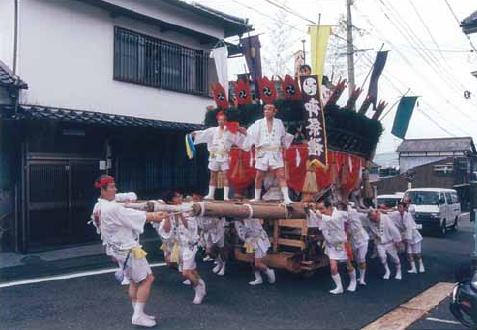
<point x="331" y="148"/>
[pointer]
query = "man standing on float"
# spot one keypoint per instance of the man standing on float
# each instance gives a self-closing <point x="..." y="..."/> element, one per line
<point x="219" y="140"/>
<point x="269" y="137"/>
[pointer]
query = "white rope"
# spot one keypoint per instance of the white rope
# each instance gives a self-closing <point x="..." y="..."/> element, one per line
<point x="202" y="208"/>
<point x="250" y="211"/>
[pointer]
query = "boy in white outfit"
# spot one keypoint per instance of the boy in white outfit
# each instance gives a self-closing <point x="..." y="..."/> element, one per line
<point x="219" y="140"/>
<point x="120" y="228"/>
<point x="188" y="238"/>
<point x="212" y="232"/>
<point x="404" y="221"/>
<point x="387" y="237"/>
<point x="251" y="232"/>
<point x="269" y="137"/>
<point x="359" y="240"/>
<point x="332" y="222"/>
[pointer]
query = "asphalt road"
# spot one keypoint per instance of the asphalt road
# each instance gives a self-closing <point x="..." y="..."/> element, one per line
<point x="292" y="303"/>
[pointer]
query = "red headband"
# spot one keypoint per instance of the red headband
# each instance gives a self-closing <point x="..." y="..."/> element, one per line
<point x="104" y="181"/>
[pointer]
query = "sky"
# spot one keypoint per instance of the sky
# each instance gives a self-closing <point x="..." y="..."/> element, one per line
<point x="429" y="55"/>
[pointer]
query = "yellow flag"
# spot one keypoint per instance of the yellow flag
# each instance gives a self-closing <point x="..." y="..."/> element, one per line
<point x="319" y="35"/>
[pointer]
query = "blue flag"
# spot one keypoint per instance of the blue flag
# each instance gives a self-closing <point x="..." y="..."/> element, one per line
<point x="377" y="70"/>
<point x="403" y="116"/>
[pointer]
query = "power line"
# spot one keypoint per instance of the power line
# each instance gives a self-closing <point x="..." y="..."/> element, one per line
<point x="458" y="23"/>
<point x="404" y="57"/>
<point x="290" y="11"/>
<point x="388" y="77"/>
<point x="408" y="33"/>
<point x="414" y="39"/>
<point x="426" y="27"/>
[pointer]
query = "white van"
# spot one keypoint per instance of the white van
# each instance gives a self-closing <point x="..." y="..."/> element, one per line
<point x="435" y="208"/>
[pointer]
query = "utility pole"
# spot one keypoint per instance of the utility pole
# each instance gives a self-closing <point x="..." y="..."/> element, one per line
<point x="349" y="47"/>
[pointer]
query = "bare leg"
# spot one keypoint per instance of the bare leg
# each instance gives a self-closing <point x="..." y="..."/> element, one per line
<point x="258" y="184"/>
<point x="280" y="174"/>
<point x="144" y="289"/>
<point x="226" y="186"/>
<point x="352" y="277"/>
<point x="212" y="185"/>
<point x="335" y="275"/>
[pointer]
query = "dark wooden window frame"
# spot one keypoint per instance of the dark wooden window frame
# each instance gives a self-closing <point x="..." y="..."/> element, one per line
<point x="149" y="61"/>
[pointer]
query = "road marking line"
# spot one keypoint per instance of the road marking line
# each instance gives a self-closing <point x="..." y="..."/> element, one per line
<point x="403" y="316"/>
<point x="442" y="321"/>
<point x="68" y="276"/>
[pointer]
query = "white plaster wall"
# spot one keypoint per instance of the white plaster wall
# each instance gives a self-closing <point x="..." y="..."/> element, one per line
<point x="6" y="31"/>
<point x="66" y="57"/>
<point x="406" y="163"/>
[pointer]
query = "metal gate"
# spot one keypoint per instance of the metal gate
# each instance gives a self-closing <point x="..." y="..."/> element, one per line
<point x="59" y="198"/>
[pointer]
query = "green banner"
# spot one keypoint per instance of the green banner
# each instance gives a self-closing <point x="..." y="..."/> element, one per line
<point x="403" y="116"/>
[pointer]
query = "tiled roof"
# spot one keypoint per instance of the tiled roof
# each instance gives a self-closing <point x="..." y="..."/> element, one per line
<point x="34" y="112"/>
<point x="7" y="78"/>
<point x="232" y="25"/>
<point x="437" y="145"/>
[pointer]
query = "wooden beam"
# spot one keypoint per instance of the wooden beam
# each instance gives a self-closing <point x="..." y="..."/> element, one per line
<point x="291" y="242"/>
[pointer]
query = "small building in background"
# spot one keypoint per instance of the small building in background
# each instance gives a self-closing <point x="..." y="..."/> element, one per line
<point x="434" y="163"/>
<point x="417" y="152"/>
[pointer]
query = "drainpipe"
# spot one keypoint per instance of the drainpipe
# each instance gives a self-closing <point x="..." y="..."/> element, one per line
<point x="15" y="36"/>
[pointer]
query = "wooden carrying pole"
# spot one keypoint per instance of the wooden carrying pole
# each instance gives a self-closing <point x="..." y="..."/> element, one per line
<point x="243" y="210"/>
<point x="231" y="209"/>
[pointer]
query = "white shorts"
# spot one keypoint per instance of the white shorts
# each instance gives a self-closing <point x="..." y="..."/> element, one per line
<point x="136" y="269"/>
<point x="261" y="248"/>
<point x="414" y="248"/>
<point x="269" y="159"/>
<point x="388" y="248"/>
<point x="336" y="253"/>
<point x="360" y="253"/>
<point x="217" y="166"/>
<point x="188" y="257"/>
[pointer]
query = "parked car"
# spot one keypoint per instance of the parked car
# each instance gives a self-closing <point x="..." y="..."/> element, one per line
<point x="435" y="208"/>
<point x="389" y="200"/>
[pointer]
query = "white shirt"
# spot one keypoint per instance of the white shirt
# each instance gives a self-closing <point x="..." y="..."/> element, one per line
<point x="406" y="225"/>
<point x="187" y="235"/>
<point x="356" y="229"/>
<point x="332" y="227"/>
<point x="120" y="227"/>
<point x="259" y="136"/>
<point x="385" y="231"/>
<point x="219" y="141"/>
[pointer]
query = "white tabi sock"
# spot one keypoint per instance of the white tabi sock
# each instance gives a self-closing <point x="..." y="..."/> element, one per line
<point x="222" y="271"/>
<point x="258" y="278"/>
<point x="258" y="194"/>
<point x="387" y="272"/>
<point x="152" y="317"/>
<point x="413" y="269"/>
<point x="270" y="275"/>
<point x="398" y="272"/>
<point x="226" y="193"/>
<point x="352" y="281"/>
<point x="211" y="193"/>
<point x="421" y="266"/>
<point x="218" y="266"/>
<point x="339" y="286"/>
<point x="138" y="309"/>
<point x="286" y="198"/>
<point x="362" y="276"/>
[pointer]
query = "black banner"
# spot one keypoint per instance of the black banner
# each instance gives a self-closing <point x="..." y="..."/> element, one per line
<point x="315" y="119"/>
